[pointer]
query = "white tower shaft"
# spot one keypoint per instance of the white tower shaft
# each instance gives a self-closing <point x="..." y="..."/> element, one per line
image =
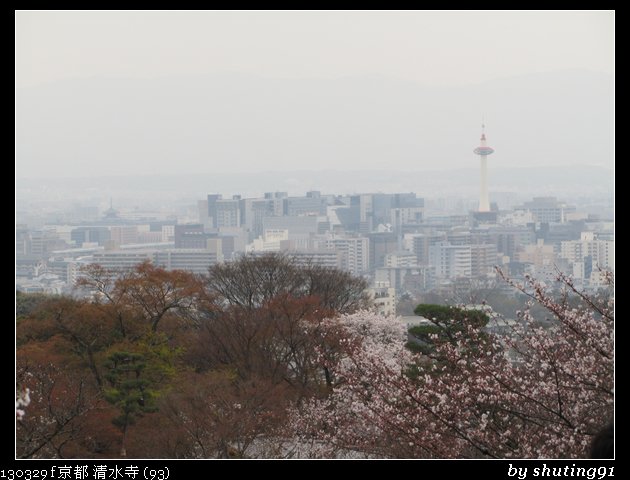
<point x="484" y="199"/>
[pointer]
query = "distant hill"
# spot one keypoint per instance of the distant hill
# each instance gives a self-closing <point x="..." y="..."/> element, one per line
<point x="246" y="124"/>
<point x="526" y="182"/>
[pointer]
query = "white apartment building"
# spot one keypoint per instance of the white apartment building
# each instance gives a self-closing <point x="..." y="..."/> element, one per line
<point x="384" y="298"/>
<point x="190" y="259"/>
<point x="401" y="259"/>
<point x="270" y="241"/>
<point x="122" y="260"/>
<point x="354" y="253"/>
<point x="602" y="252"/>
<point x="538" y="255"/>
<point x="451" y="261"/>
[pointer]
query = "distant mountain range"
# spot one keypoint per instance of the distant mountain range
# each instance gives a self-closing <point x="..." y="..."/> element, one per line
<point x="526" y="182"/>
<point x="245" y="124"/>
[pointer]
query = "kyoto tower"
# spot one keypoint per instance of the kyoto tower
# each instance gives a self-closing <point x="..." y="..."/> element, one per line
<point x="483" y="151"/>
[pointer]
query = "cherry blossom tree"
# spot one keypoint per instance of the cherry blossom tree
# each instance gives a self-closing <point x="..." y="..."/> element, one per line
<point x="22" y="399"/>
<point x="537" y="390"/>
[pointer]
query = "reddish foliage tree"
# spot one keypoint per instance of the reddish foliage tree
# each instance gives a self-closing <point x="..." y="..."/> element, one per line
<point x="54" y="420"/>
<point x="285" y="340"/>
<point x="157" y="292"/>
<point x="217" y="415"/>
<point x="147" y="292"/>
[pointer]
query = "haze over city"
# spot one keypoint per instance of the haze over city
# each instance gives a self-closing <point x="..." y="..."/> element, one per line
<point x="149" y="93"/>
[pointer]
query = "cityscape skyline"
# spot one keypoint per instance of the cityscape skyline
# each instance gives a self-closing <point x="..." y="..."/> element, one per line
<point x="396" y="241"/>
<point x="359" y="233"/>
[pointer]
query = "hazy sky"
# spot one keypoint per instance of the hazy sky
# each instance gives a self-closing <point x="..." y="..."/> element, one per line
<point x="121" y="93"/>
<point x="446" y="48"/>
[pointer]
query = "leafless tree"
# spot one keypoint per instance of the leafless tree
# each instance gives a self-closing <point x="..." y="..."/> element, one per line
<point x="253" y="280"/>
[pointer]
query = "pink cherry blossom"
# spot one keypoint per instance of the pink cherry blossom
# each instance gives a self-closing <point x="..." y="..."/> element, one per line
<point x="536" y="392"/>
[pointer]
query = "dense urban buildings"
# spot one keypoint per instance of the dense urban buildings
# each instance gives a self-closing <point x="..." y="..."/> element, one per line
<point x="393" y="240"/>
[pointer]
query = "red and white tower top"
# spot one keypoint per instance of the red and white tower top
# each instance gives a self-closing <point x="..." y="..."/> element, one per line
<point x="483" y="149"/>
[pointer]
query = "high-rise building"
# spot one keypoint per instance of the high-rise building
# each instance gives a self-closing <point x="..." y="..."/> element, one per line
<point x="451" y="261"/>
<point x="354" y="253"/>
<point x="124" y="234"/>
<point x="382" y="243"/>
<point x="510" y="240"/>
<point x="189" y="259"/>
<point x="401" y="258"/>
<point x="483" y="259"/>
<point x="538" y="254"/>
<point x="81" y="235"/>
<point x="43" y="242"/>
<point x="22" y="241"/>
<point x="223" y="212"/>
<point x="312" y="204"/>
<point x="547" y="209"/>
<point x="253" y="210"/>
<point x="383" y="297"/>
<point x="122" y="260"/>
<point x="419" y="244"/>
<point x="324" y="258"/>
<point x="600" y="253"/>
